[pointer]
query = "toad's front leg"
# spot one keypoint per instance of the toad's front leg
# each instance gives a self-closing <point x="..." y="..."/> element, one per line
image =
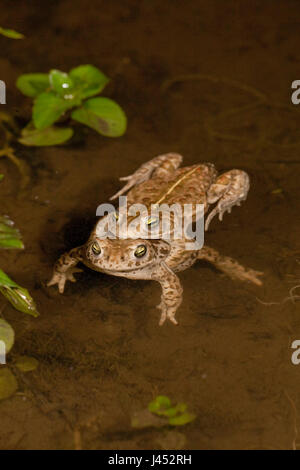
<point x="64" y="268"/>
<point x="171" y="292"/>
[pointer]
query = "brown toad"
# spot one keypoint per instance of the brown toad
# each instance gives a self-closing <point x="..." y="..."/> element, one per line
<point x="161" y="181"/>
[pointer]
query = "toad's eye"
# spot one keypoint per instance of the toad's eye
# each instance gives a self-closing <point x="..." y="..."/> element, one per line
<point x="140" y="251"/>
<point x="96" y="248"/>
<point x="152" y="221"/>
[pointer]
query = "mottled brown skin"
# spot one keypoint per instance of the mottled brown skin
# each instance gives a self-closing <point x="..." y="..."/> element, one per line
<point x="161" y="181"/>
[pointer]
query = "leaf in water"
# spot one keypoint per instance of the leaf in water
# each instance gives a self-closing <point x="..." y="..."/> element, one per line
<point x="10" y="33"/>
<point x="17" y="295"/>
<point x="9" y="236"/>
<point x="103" y="115"/>
<point x="182" y="419"/>
<point x="48" y="108"/>
<point x="6" y="281"/>
<point x="169" y="412"/>
<point x="181" y="407"/>
<point x="159" y="404"/>
<point x="61" y="83"/>
<point x="89" y="80"/>
<point x="33" y="84"/>
<point x="7" y="335"/>
<point x="8" y="383"/>
<point x="26" y="363"/>
<point x="11" y="243"/>
<point x="49" y="136"/>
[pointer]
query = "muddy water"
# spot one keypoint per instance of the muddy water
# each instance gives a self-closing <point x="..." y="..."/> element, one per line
<point x="101" y="353"/>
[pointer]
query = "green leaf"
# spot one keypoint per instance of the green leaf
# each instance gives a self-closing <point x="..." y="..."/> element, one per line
<point x="48" y="108"/>
<point x="181" y="407"/>
<point x="49" y="136"/>
<point x="8" y="383"/>
<point x="61" y="83"/>
<point x="26" y="363"/>
<point x="11" y="243"/>
<point x="9" y="236"/>
<point x="5" y="281"/>
<point x="17" y="295"/>
<point x="10" y="33"/>
<point x="170" y="412"/>
<point x="89" y="80"/>
<point x="103" y="115"/>
<point x="181" y="420"/>
<point x="7" y="335"/>
<point x="33" y="84"/>
<point x="159" y="404"/>
<point x="174" y="410"/>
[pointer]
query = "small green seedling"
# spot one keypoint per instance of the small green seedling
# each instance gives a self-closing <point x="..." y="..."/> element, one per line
<point x="177" y="415"/>
<point x="59" y="95"/>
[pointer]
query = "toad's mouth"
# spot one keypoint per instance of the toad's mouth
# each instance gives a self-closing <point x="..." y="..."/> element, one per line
<point x="115" y="270"/>
<point x="111" y="270"/>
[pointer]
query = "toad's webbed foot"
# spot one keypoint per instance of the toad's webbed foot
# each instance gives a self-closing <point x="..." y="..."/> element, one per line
<point x="167" y="313"/>
<point x="61" y="278"/>
<point x="229" y="189"/>
<point x="171" y="293"/>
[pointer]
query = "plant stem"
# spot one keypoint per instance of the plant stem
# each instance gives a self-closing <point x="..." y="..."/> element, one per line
<point x="20" y="164"/>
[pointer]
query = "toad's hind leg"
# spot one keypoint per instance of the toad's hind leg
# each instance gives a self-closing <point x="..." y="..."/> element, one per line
<point x="159" y="166"/>
<point x="229" y="189"/>
<point x="229" y="266"/>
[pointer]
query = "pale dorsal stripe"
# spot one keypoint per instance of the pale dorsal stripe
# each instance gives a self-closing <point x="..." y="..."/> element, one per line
<point x="186" y="175"/>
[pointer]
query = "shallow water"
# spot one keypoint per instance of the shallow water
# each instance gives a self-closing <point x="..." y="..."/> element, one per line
<point x="101" y="353"/>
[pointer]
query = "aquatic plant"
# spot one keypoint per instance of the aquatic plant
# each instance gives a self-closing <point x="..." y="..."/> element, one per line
<point x="21" y="300"/>
<point x="11" y="33"/>
<point x="161" y="412"/>
<point x="58" y="96"/>
<point x="18" y="296"/>
<point x="8" y="381"/>
<point x="177" y="415"/>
